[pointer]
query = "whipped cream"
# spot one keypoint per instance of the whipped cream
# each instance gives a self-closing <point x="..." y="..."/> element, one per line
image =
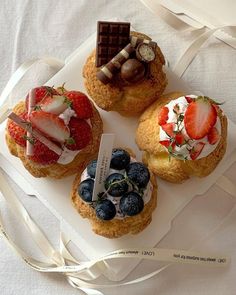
<point x="67" y="156"/>
<point x="147" y="193"/>
<point x="184" y="149"/>
<point x="67" y="114"/>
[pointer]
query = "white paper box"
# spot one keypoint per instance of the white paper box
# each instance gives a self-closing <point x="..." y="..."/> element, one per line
<point x="55" y="193"/>
<point x="210" y="13"/>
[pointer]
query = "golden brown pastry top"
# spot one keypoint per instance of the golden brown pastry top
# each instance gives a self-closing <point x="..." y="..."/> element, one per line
<point x="119" y="225"/>
<point x="127" y="99"/>
<point x="57" y="170"/>
<point x="156" y="155"/>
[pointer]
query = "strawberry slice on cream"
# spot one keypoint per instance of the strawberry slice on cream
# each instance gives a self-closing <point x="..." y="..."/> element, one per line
<point x="55" y="104"/>
<point x="50" y="125"/>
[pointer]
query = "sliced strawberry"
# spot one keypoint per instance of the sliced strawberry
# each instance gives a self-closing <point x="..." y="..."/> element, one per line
<point x="196" y="150"/>
<point x="169" y="129"/>
<point x="80" y="104"/>
<point x="189" y="99"/>
<point x="179" y="138"/>
<point x="163" y="116"/>
<point x="51" y="125"/>
<point x="42" y="154"/>
<point x="80" y="133"/>
<point x="199" y="118"/>
<point x="167" y="143"/>
<point x="41" y="93"/>
<point x="16" y="132"/>
<point x="55" y="104"/>
<point x="213" y="136"/>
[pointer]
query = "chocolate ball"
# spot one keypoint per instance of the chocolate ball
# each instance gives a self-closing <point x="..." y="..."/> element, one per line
<point x="132" y="70"/>
<point x="145" y="53"/>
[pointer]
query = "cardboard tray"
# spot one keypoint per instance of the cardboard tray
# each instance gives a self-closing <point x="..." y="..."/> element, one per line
<point x="172" y="198"/>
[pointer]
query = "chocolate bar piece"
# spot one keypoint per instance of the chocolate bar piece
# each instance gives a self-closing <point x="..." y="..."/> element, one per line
<point x="111" y="38"/>
<point x="106" y="73"/>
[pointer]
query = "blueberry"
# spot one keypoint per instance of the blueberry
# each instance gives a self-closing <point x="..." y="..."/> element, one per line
<point x="138" y="174"/>
<point x="85" y="190"/>
<point x="131" y="203"/>
<point x="116" y="189"/>
<point x="91" y="168"/>
<point x="119" y="159"/>
<point x="105" y="210"/>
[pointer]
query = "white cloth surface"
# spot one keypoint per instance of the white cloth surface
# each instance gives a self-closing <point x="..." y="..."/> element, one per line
<point x="31" y="28"/>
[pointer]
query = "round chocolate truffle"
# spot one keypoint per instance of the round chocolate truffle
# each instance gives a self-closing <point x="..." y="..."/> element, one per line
<point x="145" y="52"/>
<point x="132" y="70"/>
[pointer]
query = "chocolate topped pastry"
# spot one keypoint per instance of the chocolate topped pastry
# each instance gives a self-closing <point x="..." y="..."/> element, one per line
<point x="131" y="80"/>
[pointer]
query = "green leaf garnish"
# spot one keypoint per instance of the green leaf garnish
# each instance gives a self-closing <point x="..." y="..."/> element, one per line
<point x="62" y="88"/>
<point x="68" y="102"/>
<point x="37" y="108"/>
<point x="31" y="140"/>
<point x="70" y="140"/>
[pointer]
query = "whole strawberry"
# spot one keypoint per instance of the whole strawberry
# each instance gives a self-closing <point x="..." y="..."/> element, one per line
<point x="42" y="154"/>
<point x="80" y="104"/>
<point x="41" y="93"/>
<point x="16" y="132"/>
<point x="80" y="134"/>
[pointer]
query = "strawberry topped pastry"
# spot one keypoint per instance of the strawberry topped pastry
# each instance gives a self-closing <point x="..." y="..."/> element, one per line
<point x="182" y="136"/>
<point x="53" y="131"/>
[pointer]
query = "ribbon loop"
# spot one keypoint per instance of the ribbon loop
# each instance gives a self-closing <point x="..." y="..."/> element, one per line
<point x="18" y="75"/>
<point x="169" y="17"/>
<point x="79" y="274"/>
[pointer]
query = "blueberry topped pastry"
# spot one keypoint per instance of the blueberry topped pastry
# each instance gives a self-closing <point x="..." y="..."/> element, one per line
<point x="126" y="201"/>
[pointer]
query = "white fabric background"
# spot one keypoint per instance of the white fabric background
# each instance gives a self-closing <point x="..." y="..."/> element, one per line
<point x="30" y="28"/>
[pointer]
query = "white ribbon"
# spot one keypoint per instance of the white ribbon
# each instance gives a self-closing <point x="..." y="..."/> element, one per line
<point x="193" y="49"/>
<point x="18" y="75"/>
<point x="172" y="20"/>
<point x="75" y="273"/>
<point x="169" y="17"/>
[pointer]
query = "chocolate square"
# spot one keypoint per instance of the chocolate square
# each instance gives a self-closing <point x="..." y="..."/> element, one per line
<point x="114" y="29"/>
<point x="112" y="51"/>
<point x="111" y="38"/>
<point x="103" y="39"/>
<point x="102" y="50"/>
<point x="124" y="29"/>
<point x="104" y="28"/>
<point x="122" y="41"/>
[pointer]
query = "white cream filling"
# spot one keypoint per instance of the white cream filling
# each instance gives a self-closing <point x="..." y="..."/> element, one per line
<point x="183" y="150"/>
<point x="67" y="115"/>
